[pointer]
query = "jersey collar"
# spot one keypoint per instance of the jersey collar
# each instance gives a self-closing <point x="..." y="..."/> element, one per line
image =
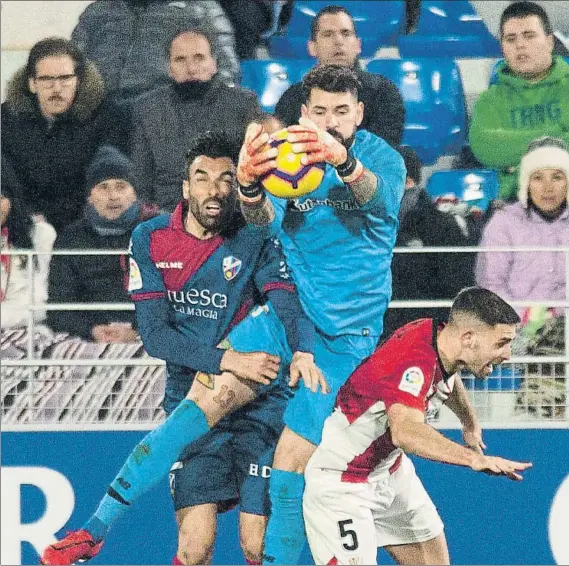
<point x="437" y="326"/>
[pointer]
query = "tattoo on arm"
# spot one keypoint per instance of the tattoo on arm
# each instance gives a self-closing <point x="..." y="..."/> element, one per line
<point x="364" y="187"/>
<point x="221" y="399"/>
<point x="261" y="215"/>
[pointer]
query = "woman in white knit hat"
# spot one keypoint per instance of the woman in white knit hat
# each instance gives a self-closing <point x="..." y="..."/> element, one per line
<point x="539" y="218"/>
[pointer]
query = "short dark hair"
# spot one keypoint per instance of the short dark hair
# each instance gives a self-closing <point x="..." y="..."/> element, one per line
<point x="314" y="26"/>
<point x="211" y="144"/>
<point x="55" y="47"/>
<point x="483" y="305"/>
<point x="412" y="161"/>
<point x="331" y="78"/>
<point x="206" y="33"/>
<point x="525" y="10"/>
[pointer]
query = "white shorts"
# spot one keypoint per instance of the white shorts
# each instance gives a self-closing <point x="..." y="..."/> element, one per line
<point x="347" y="522"/>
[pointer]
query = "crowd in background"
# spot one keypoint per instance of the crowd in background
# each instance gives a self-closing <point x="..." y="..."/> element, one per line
<point x="95" y="130"/>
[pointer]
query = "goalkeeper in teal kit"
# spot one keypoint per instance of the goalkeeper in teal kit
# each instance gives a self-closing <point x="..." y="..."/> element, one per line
<point x="338" y="242"/>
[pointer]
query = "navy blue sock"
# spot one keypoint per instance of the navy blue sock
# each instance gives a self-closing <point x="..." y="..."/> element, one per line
<point x="285" y="537"/>
<point x="148" y="463"/>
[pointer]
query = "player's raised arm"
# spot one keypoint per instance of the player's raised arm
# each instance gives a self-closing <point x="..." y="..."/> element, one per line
<point x="321" y="146"/>
<point x="374" y="172"/>
<point x="256" y="158"/>
<point x="410" y="433"/>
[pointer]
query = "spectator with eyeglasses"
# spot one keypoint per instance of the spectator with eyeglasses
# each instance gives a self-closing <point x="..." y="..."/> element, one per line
<point x="54" y="119"/>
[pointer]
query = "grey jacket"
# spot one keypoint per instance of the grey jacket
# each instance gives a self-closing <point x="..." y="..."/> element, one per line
<point x="166" y="125"/>
<point x="129" y="40"/>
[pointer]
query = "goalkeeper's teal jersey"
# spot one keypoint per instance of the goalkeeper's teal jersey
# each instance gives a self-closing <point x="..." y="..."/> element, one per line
<point x="340" y="253"/>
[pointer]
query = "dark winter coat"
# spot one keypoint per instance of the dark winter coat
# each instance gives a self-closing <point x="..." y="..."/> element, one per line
<point x="89" y="278"/>
<point x="166" y="126"/>
<point x="50" y="162"/>
<point x="428" y="276"/>
<point x="384" y="113"/>
<point x="129" y="40"/>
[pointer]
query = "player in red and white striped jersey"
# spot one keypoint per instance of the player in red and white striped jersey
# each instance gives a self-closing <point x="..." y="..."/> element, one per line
<point x="362" y="491"/>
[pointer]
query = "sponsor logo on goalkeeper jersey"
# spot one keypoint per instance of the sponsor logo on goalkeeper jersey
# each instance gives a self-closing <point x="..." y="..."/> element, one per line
<point x="202" y="303"/>
<point x="307" y="205"/>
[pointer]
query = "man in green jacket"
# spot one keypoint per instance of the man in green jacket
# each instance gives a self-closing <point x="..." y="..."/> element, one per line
<point x="529" y="100"/>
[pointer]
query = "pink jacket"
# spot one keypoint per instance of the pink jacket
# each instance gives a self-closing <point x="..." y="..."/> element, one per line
<point x="524" y="275"/>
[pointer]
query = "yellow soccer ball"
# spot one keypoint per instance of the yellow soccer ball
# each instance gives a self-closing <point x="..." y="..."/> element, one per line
<point x="291" y="179"/>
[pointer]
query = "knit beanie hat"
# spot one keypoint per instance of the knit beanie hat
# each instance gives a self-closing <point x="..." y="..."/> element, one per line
<point x="109" y="163"/>
<point x="543" y="153"/>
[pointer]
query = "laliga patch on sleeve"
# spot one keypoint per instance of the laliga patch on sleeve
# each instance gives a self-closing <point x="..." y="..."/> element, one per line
<point x="412" y="381"/>
<point x="135" y="278"/>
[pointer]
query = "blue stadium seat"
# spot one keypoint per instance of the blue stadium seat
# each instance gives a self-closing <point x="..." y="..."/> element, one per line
<point x="432" y="92"/>
<point x="503" y="378"/>
<point x="475" y="187"/>
<point x="449" y="28"/>
<point x="378" y="23"/>
<point x="269" y="79"/>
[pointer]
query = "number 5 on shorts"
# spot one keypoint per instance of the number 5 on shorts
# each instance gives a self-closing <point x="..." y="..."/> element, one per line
<point x="348" y="533"/>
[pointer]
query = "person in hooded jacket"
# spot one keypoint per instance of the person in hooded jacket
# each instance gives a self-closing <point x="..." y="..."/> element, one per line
<point x="530" y="98"/>
<point x="54" y="119"/>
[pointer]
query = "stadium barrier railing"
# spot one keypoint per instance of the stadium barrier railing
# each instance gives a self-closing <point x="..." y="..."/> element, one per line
<point x="55" y="379"/>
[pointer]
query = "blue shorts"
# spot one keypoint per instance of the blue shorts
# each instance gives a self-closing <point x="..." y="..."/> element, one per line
<point x="337" y="357"/>
<point x="232" y="462"/>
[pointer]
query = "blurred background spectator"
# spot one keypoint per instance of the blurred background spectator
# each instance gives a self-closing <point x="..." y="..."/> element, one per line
<point x="168" y="118"/>
<point x="111" y="213"/>
<point x="425" y="276"/>
<point x="557" y="11"/>
<point x="53" y="121"/>
<point x="22" y="231"/>
<point x="334" y="41"/>
<point x="539" y="218"/>
<point x="253" y="20"/>
<point x="129" y="40"/>
<point x="530" y="98"/>
<point x="412" y="11"/>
